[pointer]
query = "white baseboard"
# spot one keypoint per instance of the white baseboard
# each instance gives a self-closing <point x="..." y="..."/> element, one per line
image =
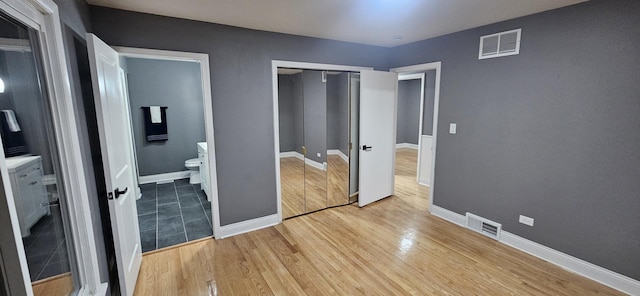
<point x="423" y="183"/>
<point x="292" y="154"/>
<point x="450" y="216"/>
<point x="407" y="145"/>
<point x="163" y="178"/>
<point x="248" y="225"/>
<point x="315" y="164"/>
<point x="589" y="270"/>
<point x="338" y="153"/>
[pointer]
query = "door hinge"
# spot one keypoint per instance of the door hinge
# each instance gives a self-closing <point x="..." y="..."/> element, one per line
<point x="110" y="195"/>
<point x="350" y="146"/>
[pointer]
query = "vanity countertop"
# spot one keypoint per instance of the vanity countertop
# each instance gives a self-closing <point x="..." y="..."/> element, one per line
<point x="17" y="161"/>
<point x="203" y="145"/>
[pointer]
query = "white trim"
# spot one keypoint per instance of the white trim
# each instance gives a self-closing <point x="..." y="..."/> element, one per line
<point x="448" y="215"/>
<point x="295" y="154"/>
<point x="276" y="128"/>
<point x="407" y="145"/>
<point x="248" y="225"/>
<point x="205" y="75"/>
<point x="338" y="153"/>
<point x="589" y="270"/>
<point x="436" y="106"/>
<point x="315" y="164"/>
<point x="164" y="178"/>
<point x="410" y="76"/>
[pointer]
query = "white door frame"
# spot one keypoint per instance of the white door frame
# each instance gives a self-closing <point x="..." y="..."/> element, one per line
<point x="275" y="64"/>
<point x="436" y="103"/>
<point x="421" y="76"/>
<point x="43" y="16"/>
<point x="203" y="60"/>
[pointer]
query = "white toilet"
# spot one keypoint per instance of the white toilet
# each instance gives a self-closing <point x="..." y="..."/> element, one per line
<point x="194" y="167"/>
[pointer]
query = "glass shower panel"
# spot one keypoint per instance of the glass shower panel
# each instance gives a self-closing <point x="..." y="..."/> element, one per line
<point x="291" y="123"/>
<point x="29" y="143"/>
<point x="315" y="139"/>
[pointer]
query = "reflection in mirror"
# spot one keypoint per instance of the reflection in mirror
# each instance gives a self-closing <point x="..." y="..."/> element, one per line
<point x="337" y="138"/>
<point x="354" y="129"/>
<point x="29" y="142"/>
<point x="290" y="114"/>
<point x="315" y="139"/>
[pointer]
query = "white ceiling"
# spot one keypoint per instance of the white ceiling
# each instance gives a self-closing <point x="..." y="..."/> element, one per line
<point x="375" y="22"/>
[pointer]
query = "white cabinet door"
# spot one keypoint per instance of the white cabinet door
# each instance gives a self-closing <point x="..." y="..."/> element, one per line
<point x="115" y="144"/>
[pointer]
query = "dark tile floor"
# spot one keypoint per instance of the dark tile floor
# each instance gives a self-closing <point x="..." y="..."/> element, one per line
<point x="172" y="213"/>
<point x="46" y="248"/>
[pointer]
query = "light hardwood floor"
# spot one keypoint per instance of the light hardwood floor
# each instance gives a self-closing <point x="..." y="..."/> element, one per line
<point x="391" y="247"/>
<point x="60" y="285"/>
<point x="307" y="189"/>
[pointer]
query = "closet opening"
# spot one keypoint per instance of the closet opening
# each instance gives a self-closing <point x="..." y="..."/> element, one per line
<point x="315" y="139"/>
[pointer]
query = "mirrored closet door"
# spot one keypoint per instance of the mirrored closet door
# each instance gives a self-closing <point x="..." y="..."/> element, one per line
<point x="314" y="130"/>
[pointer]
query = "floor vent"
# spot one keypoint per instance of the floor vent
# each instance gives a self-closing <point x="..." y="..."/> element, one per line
<point x="483" y="226"/>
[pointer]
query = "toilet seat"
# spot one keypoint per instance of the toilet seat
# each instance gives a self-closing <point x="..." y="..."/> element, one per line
<point x="190" y="163"/>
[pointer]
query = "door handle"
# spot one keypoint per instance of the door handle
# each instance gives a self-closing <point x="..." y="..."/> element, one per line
<point x="118" y="192"/>
<point x="366" y="148"/>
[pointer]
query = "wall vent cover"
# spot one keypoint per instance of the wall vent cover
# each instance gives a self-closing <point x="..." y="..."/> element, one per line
<point x="483" y="226"/>
<point x="500" y="44"/>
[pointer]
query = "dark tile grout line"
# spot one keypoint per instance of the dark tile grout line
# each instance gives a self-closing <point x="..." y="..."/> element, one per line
<point x="48" y="260"/>
<point x="157" y="234"/>
<point x="186" y="239"/>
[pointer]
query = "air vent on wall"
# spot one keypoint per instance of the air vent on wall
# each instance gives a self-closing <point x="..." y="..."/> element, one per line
<point x="500" y="44"/>
<point x="483" y="226"/>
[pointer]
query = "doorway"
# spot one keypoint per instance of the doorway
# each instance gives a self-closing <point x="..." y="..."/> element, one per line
<point x="166" y="100"/>
<point x="418" y="100"/>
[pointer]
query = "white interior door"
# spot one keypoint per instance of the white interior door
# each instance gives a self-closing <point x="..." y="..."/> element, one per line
<point x="115" y="144"/>
<point x="378" y="104"/>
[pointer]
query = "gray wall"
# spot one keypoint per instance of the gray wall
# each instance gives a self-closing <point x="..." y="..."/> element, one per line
<point x="338" y="112"/>
<point x="429" y="97"/>
<point x="407" y="128"/>
<point x="286" y="122"/>
<point x="178" y="86"/>
<point x="551" y="133"/>
<point x="240" y="61"/>
<point x="314" y="92"/>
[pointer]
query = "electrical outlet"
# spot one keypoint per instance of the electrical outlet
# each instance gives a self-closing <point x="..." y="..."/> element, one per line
<point x="526" y="220"/>
<point x="318" y="154"/>
<point x="452" y="128"/>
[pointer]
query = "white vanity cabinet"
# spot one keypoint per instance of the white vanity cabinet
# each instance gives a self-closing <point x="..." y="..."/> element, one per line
<point x="204" y="168"/>
<point x="29" y="193"/>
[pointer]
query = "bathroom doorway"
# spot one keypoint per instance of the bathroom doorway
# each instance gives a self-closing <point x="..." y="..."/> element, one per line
<point x="169" y="105"/>
<point x="418" y="100"/>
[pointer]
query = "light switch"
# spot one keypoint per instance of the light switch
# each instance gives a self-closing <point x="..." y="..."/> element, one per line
<point x="452" y="128"/>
